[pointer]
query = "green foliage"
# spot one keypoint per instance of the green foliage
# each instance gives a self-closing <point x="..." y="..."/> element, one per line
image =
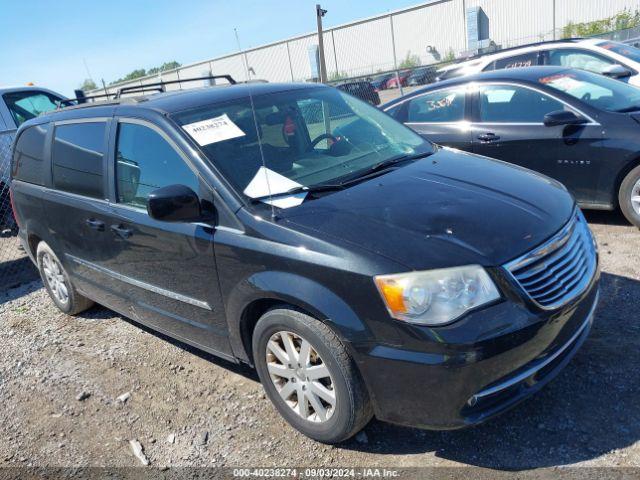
<point x="410" y="61"/>
<point x="622" y="20"/>
<point x="335" y="76"/>
<point x="450" y="57"/>
<point x="88" y="85"/>
<point x="141" y="72"/>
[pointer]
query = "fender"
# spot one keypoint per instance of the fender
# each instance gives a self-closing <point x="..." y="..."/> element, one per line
<point x="300" y="292"/>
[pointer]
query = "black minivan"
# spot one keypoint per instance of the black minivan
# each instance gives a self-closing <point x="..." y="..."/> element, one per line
<point x="361" y="269"/>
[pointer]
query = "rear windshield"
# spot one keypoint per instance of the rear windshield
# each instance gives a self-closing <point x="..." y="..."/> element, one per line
<point x="628" y="51"/>
<point x="595" y="90"/>
<point x="26" y="105"/>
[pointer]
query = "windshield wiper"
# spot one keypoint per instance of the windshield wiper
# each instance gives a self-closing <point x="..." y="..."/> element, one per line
<point x="385" y="164"/>
<point x="320" y="187"/>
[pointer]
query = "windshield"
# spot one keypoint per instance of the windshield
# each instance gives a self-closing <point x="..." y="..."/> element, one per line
<point x="596" y="90"/>
<point x="628" y="51"/>
<point x="25" y="105"/>
<point x="300" y="137"/>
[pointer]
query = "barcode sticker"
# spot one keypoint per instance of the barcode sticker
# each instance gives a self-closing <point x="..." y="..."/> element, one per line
<point x="213" y="130"/>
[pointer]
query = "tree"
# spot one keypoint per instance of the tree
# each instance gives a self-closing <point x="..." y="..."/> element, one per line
<point x="141" y="72"/>
<point x="410" y="61"/>
<point x="88" y="85"/>
<point x="621" y="21"/>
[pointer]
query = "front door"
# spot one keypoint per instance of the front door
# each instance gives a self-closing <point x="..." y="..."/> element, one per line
<point x="509" y="125"/>
<point x="167" y="270"/>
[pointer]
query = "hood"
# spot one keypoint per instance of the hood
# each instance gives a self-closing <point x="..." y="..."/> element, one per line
<point x="449" y="209"/>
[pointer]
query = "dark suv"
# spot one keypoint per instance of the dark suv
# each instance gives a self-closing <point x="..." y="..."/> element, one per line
<point x="361" y="269"/>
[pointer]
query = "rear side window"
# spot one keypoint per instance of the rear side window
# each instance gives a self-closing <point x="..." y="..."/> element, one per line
<point x="78" y="158"/>
<point x="27" y="105"/>
<point x="28" y="158"/>
<point x="145" y="161"/>
<point x="442" y="106"/>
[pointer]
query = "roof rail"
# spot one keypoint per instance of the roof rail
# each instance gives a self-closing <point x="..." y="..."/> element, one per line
<point x="159" y="86"/>
<point x="81" y="99"/>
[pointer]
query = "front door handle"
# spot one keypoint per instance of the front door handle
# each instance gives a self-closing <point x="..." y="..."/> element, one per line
<point x="95" y="224"/>
<point x="488" y="137"/>
<point x="121" y="231"/>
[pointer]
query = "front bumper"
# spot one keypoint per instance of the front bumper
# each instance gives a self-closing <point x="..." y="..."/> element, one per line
<point x="463" y="375"/>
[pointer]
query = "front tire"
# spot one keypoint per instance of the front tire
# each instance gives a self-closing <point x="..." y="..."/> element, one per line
<point x="629" y="196"/>
<point x="309" y="376"/>
<point x="57" y="283"/>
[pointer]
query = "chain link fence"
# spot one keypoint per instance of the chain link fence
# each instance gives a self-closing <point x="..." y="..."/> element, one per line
<point x="375" y="59"/>
<point x="15" y="266"/>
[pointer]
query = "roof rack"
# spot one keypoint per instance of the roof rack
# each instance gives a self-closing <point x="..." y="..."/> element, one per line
<point x="82" y="99"/>
<point x="159" y="86"/>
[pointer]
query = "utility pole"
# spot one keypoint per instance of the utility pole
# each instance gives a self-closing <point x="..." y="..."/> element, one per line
<point x="323" y="67"/>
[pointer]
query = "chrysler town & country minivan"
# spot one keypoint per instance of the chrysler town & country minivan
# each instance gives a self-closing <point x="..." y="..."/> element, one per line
<point x="361" y="269"/>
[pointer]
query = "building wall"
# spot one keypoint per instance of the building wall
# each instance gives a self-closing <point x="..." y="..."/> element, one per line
<point x="365" y="47"/>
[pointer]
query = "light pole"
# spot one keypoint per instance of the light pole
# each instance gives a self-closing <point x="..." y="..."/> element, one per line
<point x="323" y="67"/>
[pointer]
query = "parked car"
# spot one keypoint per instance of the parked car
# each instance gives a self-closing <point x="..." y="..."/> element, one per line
<point x="379" y="82"/>
<point x="361" y="89"/>
<point x="613" y="59"/>
<point x="421" y="76"/>
<point x="580" y="128"/>
<point x="402" y="77"/>
<point x="17" y="104"/>
<point x="345" y="257"/>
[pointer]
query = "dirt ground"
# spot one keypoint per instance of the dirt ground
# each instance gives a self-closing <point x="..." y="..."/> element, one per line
<point x="60" y="379"/>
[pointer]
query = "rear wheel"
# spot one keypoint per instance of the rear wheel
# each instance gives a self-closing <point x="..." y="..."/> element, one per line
<point x="629" y="196"/>
<point x="309" y="376"/>
<point x="57" y="283"/>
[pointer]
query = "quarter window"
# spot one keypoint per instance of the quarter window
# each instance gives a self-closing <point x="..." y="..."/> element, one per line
<point x="145" y="161"/>
<point x="28" y="159"/>
<point x="78" y="156"/>
<point x="512" y="104"/>
<point x="440" y="106"/>
<point x="579" y="59"/>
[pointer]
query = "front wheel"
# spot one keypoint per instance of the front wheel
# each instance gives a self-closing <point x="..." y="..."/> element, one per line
<point x="309" y="376"/>
<point x="629" y="196"/>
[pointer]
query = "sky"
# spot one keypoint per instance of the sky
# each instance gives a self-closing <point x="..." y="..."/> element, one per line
<point x="48" y="43"/>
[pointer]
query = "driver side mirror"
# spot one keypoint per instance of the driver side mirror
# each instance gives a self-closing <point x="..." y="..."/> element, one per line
<point x="616" y="71"/>
<point x="174" y="203"/>
<point x="563" y="117"/>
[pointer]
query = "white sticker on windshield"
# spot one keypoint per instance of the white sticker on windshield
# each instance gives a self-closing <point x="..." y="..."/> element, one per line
<point x="267" y="182"/>
<point x="213" y="130"/>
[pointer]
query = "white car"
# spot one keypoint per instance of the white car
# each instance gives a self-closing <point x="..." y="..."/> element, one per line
<point x="605" y="57"/>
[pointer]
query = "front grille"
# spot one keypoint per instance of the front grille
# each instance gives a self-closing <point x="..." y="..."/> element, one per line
<point x="560" y="269"/>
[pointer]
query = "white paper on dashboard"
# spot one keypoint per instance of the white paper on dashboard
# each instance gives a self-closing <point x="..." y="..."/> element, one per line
<point x="266" y="182"/>
<point x="213" y="130"/>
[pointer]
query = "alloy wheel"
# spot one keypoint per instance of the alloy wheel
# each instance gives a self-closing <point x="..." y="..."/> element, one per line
<point x="300" y="376"/>
<point x="635" y="197"/>
<point x="55" y="278"/>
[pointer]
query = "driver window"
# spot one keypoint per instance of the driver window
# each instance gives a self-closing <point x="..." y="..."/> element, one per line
<point x="513" y="104"/>
<point x="578" y="59"/>
<point x="145" y="161"/>
<point x="441" y="106"/>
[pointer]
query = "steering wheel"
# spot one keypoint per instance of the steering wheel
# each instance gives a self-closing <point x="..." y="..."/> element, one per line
<point x="321" y="137"/>
<point x="586" y="97"/>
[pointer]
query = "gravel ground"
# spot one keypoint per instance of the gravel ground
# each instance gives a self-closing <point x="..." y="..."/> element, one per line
<point x="60" y="379"/>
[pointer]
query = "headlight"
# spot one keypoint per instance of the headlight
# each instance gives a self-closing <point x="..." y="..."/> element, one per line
<point x="436" y="297"/>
